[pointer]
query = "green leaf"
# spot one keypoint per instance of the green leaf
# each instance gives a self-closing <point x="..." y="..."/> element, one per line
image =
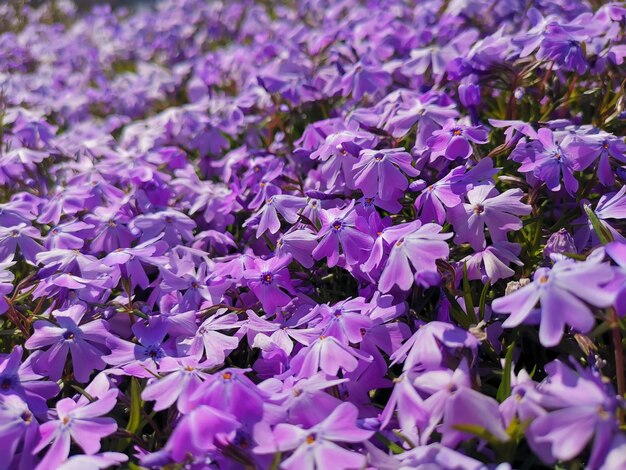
<point x="136" y="404"/>
<point x="603" y="233"/>
<point x="467" y="296"/>
<point x="392" y="446"/>
<point x="456" y="312"/>
<point x="480" y="432"/>
<point x="483" y="300"/>
<point x="504" y="390"/>
<point x="83" y="393"/>
<point x="276" y="461"/>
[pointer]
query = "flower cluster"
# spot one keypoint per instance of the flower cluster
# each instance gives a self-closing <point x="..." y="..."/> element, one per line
<point x="313" y="235"/>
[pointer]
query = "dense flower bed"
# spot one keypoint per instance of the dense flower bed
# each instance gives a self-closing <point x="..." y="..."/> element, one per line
<point x="324" y="234"/>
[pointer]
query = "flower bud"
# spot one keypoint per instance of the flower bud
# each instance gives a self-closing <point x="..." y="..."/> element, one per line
<point x="559" y="243"/>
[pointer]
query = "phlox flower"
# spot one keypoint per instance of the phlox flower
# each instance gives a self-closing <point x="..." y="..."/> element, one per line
<point x="381" y="172"/>
<point x="85" y="341"/>
<point x="81" y="423"/>
<point x="316" y="447"/>
<point x="565" y="292"/>
<point x="416" y="245"/>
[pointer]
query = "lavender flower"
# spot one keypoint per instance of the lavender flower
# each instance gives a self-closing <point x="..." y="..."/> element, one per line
<point x="568" y="283"/>
<point x="486" y="207"/>
<point x="81" y="423"/>
<point x="414" y="245"/>
<point x="84" y="341"/>
<point x="316" y="447"/>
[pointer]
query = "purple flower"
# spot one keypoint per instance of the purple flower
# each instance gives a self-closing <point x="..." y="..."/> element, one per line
<point x="20" y="236"/>
<point x="378" y="172"/>
<point x="175" y="226"/>
<point x="454" y="140"/>
<point x="486" y="207"/>
<point x="344" y="320"/>
<point x="132" y="261"/>
<point x="199" y="432"/>
<point x="601" y="147"/>
<point x="17" y="378"/>
<point x="425" y="110"/>
<point x="69" y="235"/>
<point x="209" y="341"/>
<point x="232" y="392"/>
<point x="6" y="279"/>
<point x="548" y="161"/>
<point x="416" y="245"/>
<point x="617" y="252"/>
<point x="195" y="282"/>
<point x="437" y="198"/>
<point x="558" y="243"/>
<point x="339" y="153"/>
<point x="436" y="344"/>
<point x="564" y="292"/>
<point x="19" y="428"/>
<point x="438" y="456"/>
<point x="305" y="401"/>
<point x="493" y="262"/>
<point x="581" y="408"/>
<point x="95" y="461"/>
<point x="111" y="229"/>
<point x="565" y="49"/>
<point x="81" y="423"/>
<point x="342" y="227"/>
<point x="316" y="447"/>
<point x="269" y="279"/>
<point x="283" y="204"/>
<point x="328" y="354"/>
<point x="85" y="341"/>
<point x="139" y="359"/>
<point x="299" y="244"/>
<point x="469" y="407"/>
<point x="183" y="378"/>
<point x="610" y="206"/>
<point x="364" y="78"/>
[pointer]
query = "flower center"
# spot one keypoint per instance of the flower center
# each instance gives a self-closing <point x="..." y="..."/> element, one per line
<point x="310" y="439"/>
<point x="153" y="352"/>
<point x="227" y="375"/>
<point x="479" y="209"/>
<point x="400" y="242"/>
<point x="65" y="420"/>
<point x="337" y="225"/>
<point x="267" y="278"/>
<point x="169" y="219"/>
<point x="297" y="392"/>
<point x="6" y="383"/>
<point x="68" y="335"/>
<point x="456" y="131"/>
<point x="26" y="416"/>
<point x="378" y="156"/>
<point x="543" y="279"/>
